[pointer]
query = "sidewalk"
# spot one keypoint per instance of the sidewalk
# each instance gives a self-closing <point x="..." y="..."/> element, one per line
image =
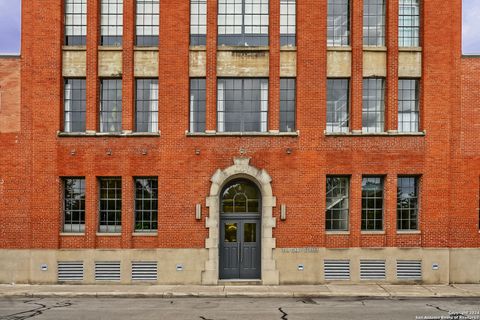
<point x="172" y="291"/>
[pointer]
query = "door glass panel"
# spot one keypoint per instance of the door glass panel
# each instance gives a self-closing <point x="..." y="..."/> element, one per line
<point x="240" y="197"/>
<point x="230" y="232"/>
<point x="250" y="232"/>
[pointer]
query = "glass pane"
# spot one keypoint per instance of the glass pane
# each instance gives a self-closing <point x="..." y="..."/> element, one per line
<point x="240" y="197"/>
<point x="230" y="232"/>
<point x="250" y="232"/>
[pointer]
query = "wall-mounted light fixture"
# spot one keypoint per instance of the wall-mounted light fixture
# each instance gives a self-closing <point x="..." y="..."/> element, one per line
<point x="73" y="152"/>
<point x="144" y="152"/>
<point x="283" y="212"/>
<point x="109" y="152"/>
<point x="197" y="151"/>
<point x="288" y="151"/>
<point x="198" y="211"/>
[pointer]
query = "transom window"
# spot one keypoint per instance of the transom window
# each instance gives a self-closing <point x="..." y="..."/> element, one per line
<point x="146" y="204"/>
<point x="288" y="22"/>
<point x="409" y="23"/>
<point x="146" y="105"/>
<point x="240" y="197"/>
<point x="74" y="205"/>
<point x="243" y="22"/>
<point x="338" y="23"/>
<point x="75" y="22"/>
<point x="242" y="105"/>
<point x="75" y="105"/>
<point x="198" y="22"/>
<point x="374" y="23"/>
<point x="110" y="205"/>
<point x="110" y="105"/>
<point x="338" y="112"/>
<point x="372" y="203"/>
<point x="407" y="203"/>
<point x="147" y="20"/>
<point x="111" y="23"/>
<point x="373" y="108"/>
<point x="337" y="209"/>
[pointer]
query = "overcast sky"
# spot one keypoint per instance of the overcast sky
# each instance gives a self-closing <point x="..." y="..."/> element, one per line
<point x="10" y="26"/>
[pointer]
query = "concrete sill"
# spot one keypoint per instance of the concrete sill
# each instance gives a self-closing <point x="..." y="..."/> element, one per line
<point x="145" y="48"/>
<point x="110" y="48"/>
<point x="105" y="234"/>
<point x="373" y="48"/>
<point x="372" y="232"/>
<point x="198" y="48"/>
<point x="243" y="48"/>
<point x="242" y="134"/>
<point x="74" y="48"/>
<point x="145" y="234"/>
<point x="410" y="49"/>
<point x="337" y="233"/>
<point x="288" y="48"/>
<point x="336" y="48"/>
<point x="72" y="234"/>
<point x="409" y="232"/>
<point x="107" y="134"/>
<point x="378" y="134"/>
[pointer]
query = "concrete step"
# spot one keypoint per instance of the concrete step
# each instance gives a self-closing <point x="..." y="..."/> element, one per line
<point x="240" y="282"/>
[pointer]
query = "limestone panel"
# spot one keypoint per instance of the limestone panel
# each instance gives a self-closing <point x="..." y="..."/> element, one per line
<point x="198" y="63"/>
<point x="409" y="64"/>
<point x="339" y="64"/>
<point x="110" y="63"/>
<point x="146" y="63"/>
<point x="374" y="63"/>
<point x="74" y="63"/>
<point x="242" y="63"/>
<point x="288" y="64"/>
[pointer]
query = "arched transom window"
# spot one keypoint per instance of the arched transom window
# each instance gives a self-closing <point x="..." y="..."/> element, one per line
<point x="240" y="196"/>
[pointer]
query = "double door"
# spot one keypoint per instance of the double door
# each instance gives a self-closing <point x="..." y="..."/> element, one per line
<point x="240" y="248"/>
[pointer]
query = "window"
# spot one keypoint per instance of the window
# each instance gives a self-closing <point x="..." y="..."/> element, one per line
<point x="372" y="203"/>
<point x="75" y="105"/>
<point x="146" y="105"/>
<point x="146" y="204"/>
<point x="75" y="22"/>
<point x="408" y="105"/>
<point x="337" y="203"/>
<point x="338" y="114"/>
<point x="287" y="104"/>
<point x="197" y="104"/>
<point x="409" y="23"/>
<point x="110" y="105"/>
<point x="338" y="23"/>
<point x="110" y="205"/>
<point x="407" y="203"/>
<point x="74" y="205"/>
<point x="288" y="22"/>
<point x="242" y="105"/>
<point x="374" y="23"/>
<point x="373" y="109"/>
<point x="198" y="22"/>
<point x="243" y="22"/>
<point x="148" y="12"/>
<point x="111" y="22"/>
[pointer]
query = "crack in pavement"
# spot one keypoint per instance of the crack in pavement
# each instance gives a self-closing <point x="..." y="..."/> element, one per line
<point x="438" y="308"/>
<point x="284" y="314"/>
<point x="36" y="311"/>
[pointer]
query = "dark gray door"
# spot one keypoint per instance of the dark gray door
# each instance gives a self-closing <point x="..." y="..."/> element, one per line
<point x="240" y="248"/>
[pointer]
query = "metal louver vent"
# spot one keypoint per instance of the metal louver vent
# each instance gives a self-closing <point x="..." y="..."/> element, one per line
<point x="107" y="270"/>
<point x="337" y="269"/>
<point x="144" y="270"/>
<point x="70" y="270"/>
<point x="372" y="269"/>
<point x="409" y="269"/>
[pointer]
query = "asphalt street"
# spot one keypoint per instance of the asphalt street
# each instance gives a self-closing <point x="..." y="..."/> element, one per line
<point x="239" y="308"/>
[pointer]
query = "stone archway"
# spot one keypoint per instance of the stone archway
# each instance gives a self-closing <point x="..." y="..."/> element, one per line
<point x="241" y="169"/>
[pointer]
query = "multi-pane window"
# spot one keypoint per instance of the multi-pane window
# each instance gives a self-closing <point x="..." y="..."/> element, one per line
<point x="337" y="203"/>
<point x="338" y="23"/>
<point x="75" y="105"/>
<point x="243" y="22"/>
<point x="287" y="104"/>
<point x="110" y="105"/>
<point x="407" y="203"/>
<point x="74" y="205"/>
<point x="374" y="22"/>
<point x="197" y="104"/>
<point x="372" y="203"/>
<point x="408" y="105"/>
<point x="147" y="20"/>
<point x="288" y="22"/>
<point x="373" y="109"/>
<point x="338" y="117"/>
<point x="146" y="105"/>
<point x="146" y="204"/>
<point x="198" y="22"/>
<point x="242" y="105"/>
<point x="110" y="205"/>
<point x="75" y="22"/>
<point x="111" y="22"/>
<point x="409" y="23"/>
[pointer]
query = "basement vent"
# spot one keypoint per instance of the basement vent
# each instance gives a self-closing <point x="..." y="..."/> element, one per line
<point x="107" y="270"/>
<point x="337" y="269"/>
<point x="409" y="269"/>
<point x="70" y="270"/>
<point x="144" y="270"/>
<point x="372" y="269"/>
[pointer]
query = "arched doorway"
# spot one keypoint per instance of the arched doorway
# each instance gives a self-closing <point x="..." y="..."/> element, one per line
<point x="240" y="228"/>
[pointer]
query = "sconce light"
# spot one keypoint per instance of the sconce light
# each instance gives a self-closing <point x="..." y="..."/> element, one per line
<point x="198" y="211"/>
<point x="144" y="152"/>
<point x="197" y="152"/>
<point x="109" y="152"/>
<point x="73" y="152"/>
<point x="283" y="212"/>
<point x="288" y="151"/>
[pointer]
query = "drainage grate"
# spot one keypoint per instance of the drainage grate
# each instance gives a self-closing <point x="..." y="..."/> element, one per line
<point x="107" y="270"/>
<point x="70" y="270"/>
<point x="372" y="269"/>
<point x="144" y="270"/>
<point x="337" y="269"/>
<point x="409" y="269"/>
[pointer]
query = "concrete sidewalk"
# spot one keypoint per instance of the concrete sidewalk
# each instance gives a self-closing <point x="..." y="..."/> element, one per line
<point x="172" y="291"/>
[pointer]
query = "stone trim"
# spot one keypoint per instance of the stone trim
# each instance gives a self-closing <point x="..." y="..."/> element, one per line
<point x="241" y="169"/>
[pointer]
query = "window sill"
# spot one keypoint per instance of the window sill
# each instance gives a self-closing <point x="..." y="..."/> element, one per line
<point x="145" y="48"/>
<point x="242" y="134"/>
<point x="242" y="48"/>
<point x="110" y="48"/>
<point x="145" y="234"/>
<point x="72" y="234"/>
<point x="288" y="48"/>
<point x="373" y="232"/>
<point x="410" y="49"/>
<point x="409" y="232"/>
<point x="74" y="48"/>
<point x="375" y="48"/>
<point x="105" y="234"/>
<point x="392" y="133"/>
<point x="107" y="134"/>
<point x="198" y="48"/>
<point x="337" y="233"/>
<point x="339" y="48"/>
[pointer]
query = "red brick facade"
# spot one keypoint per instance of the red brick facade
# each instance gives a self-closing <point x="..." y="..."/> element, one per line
<point x="447" y="157"/>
